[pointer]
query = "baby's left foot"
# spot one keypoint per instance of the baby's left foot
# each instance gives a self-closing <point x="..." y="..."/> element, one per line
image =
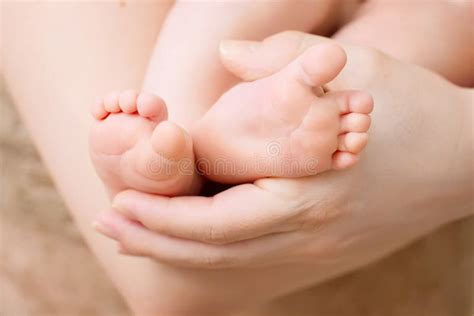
<point x="279" y="127"/>
<point x="133" y="146"/>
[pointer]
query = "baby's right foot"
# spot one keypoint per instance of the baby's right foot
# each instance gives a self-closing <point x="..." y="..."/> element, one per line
<point x="133" y="146"/>
<point x="279" y="126"/>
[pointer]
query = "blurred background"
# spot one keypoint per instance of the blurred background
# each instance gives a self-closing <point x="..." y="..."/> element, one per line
<point x="46" y="268"/>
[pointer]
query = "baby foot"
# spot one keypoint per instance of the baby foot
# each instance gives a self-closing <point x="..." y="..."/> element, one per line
<point x="285" y="125"/>
<point x="133" y="146"/>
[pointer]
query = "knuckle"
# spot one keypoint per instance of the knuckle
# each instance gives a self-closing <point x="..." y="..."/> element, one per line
<point x="217" y="232"/>
<point x="130" y="243"/>
<point x="320" y="217"/>
<point x="126" y="247"/>
<point x="216" y="235"/>
<point x="217" y="260"/>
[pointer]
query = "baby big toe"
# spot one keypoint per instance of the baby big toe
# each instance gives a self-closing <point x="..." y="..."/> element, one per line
<point x="308" y="69"/>
<point x="171" y="141"/>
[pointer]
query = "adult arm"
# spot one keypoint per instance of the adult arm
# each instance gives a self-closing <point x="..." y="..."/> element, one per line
<point x="331" y="223"/>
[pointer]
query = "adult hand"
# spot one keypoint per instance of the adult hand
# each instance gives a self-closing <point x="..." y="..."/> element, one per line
<point x="415" y="175"/>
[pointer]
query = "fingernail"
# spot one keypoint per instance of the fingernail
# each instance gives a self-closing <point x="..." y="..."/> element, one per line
<point x="121" y="249"/>
<point x="121" y="203"/>
<point x="116" y="206"/>
<point x="105" y="228"/>
<point x="230" y="48"/>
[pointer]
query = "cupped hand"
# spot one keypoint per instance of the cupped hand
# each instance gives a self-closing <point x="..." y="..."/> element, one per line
<point x="414" y="177"/>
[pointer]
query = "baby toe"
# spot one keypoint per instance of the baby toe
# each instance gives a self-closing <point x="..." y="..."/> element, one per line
<point x="354" y="122"/>
<point x="361" y="102"/>
<point x="98" y="111"/>
<point x="170" y="141"/>
<point x="352" y="142"/>
<point x="152" y="107"/>
<point x="111" y="103"/>
<point x="343" y="160"/>
<point x="128" y="101"/>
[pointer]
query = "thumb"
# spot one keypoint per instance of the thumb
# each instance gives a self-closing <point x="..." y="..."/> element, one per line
<point x="252" y="60"/>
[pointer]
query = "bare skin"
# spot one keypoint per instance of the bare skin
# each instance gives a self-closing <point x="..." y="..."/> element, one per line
<point x="243" y="159"/>
<point x="437" y="35"/>
<point x="132" y="146"/>
<point x="116" y="59"/>
<point x="309" y="229"/>
<point x="276" y="126"/>
<point x="184" y="69"/>
<point x="55" y="119"/>
<point x="168" y="76"/>
<point x="59" y="56"/>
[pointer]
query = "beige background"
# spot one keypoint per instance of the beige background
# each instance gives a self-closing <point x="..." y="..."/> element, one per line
<point x="46" y="269"/>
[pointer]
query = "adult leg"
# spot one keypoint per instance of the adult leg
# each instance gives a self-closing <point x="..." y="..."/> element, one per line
<point x="185" y="69"/>
<point x="58" y="57"/>
<point x="434" y="34"/>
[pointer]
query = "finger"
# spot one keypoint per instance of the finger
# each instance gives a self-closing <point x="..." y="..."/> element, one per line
<point x="250" y="60"/>
<point x="134" y="239"/>
<point x="239" y="213"/>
